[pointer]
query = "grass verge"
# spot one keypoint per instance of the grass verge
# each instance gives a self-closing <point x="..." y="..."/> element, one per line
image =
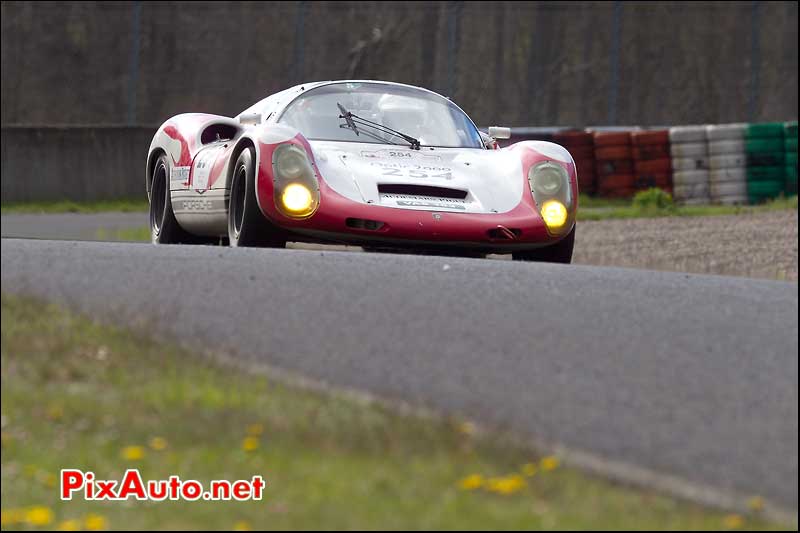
<point x="66" y="206"/>
<point x="135" y="234"/>
<point x="76" y="394"/>
<point x="599" y="209"/>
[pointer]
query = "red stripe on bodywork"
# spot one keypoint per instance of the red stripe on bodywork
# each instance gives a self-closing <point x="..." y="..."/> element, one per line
<point x="186" y="156"/>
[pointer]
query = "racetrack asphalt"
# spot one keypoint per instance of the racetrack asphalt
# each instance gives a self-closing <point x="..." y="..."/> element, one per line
<point x="691" y="377"/>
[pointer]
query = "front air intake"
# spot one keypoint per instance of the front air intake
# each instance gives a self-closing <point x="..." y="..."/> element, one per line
<point x="421" y="190"/>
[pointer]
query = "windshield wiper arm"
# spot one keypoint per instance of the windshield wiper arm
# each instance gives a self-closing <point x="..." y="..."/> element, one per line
<point x="351" y="123"/>
<point x="370" y="134"/>
<point x="347" y="116"/>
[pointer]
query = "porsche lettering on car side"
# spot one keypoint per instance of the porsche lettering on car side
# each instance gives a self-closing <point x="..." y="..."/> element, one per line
<point x="382" y="165"/>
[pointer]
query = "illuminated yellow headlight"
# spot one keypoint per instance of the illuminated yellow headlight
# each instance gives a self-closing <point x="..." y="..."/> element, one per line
<point x="554" y="214"/>
<point x="297" y="199"/>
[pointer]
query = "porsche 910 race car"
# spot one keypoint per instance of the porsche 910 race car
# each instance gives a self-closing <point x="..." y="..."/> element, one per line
<point x="376" y="164"/>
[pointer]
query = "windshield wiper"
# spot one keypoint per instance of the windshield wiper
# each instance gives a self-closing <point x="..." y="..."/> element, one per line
<point x="347" y="116"/>
<point x="351" y="119"/>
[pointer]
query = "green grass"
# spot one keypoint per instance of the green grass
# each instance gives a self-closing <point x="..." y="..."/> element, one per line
<point x="138" y="234"/>
<point x="75" y="394"/>
<point x="66" y="206"/>
<point x="599" y="209"/>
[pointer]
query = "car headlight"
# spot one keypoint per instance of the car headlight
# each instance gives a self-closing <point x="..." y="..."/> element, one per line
<point x="549" y="184"/>
<point x="295" y="185"/>
<point x="296" y="198"/>
<point x="554" y="214"/>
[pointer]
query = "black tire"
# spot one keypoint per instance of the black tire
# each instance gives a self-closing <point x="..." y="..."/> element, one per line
<point x="164" y="229"/>
<point x="560" y="252"/>
<point x="246" y="224"/>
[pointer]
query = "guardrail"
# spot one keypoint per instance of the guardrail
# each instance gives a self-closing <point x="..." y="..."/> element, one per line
<point x="79" y="163"/>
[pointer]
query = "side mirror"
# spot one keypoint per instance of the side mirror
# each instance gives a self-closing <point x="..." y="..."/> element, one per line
<point x="499" y="132"/>
<point x="250" y="118"/>
<point x="488" y="140"/>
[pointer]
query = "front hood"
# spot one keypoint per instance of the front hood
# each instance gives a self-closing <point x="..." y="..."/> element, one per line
<point x="465" y="180"/>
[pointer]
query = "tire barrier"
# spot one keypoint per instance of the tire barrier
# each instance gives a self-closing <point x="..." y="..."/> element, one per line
<point x="580" y="145"/>
<point x="616" y="177"/>
<point x="766" y="170"/>
<point x="790" y="151"/>
<point x="727" y="163"/>
<point x="652" y="160"/>
<point x="690" y="159"/>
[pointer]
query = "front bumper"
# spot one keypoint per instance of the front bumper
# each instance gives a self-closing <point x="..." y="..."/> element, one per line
<point x="342" y="220"/>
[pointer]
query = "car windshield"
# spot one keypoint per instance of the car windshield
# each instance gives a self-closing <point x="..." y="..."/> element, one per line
<point x="425" y="116"/>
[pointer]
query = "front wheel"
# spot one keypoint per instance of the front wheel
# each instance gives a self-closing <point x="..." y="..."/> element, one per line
<point x="560" y="252"/>
<point x="246" y="224"/>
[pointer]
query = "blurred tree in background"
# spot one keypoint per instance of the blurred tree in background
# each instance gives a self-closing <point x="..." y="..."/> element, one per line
<point x="510" y="63"/>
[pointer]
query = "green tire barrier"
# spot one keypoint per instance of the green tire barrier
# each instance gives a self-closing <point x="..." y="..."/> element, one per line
<point x="765" y="173"/>
<point x="762" y="159"/>
<point x="791" y="181"/>
<point x="790" y="146"/>
<point x="764" y="130"/>
<point x="764" y="145"/>
<point x="766" y="160"/>
<point x="759" y="191"/>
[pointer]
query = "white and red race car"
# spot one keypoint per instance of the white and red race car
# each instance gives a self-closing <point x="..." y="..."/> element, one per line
<point x="376" y="164"/>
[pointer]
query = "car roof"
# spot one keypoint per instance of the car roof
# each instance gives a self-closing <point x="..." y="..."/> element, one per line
<point x="278" y="101"/>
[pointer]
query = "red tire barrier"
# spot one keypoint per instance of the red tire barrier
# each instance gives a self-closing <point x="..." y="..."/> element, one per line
<point x="650" y="166"/>
<point x="614" y="166"/>
<point x="651" y="137"/>
<point x="662" y="180"/>
<point x="613" y="152"/>
<point x="585" y="165"/>
<point x="580" y="151"/>
<point x="616" y="185"/>
<point x="573" y="138"/>
<point x="612" y="138"/>
<point x="651" y="151"/>
<point x="580" y="145"/>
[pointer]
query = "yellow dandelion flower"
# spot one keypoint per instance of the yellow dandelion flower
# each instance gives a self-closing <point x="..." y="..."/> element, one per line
<point x="549" y="463"/>
<point x="12" y="517"/>
<point x="132" y="453"/>
<point x="733" y="521"/>
<point x="38" y="515"/>
<point x="55" y="412"/>
<point x="69" y="525"/>
<point x="95" y="522"/>
<point x="475" y="481"/>
<point x="242" y="525"/>
<point x="158" y="443"/>
<point x="249" y="444"/>
<point x="255" y="429"/>
<point x="466" y="428"/>
<point x="756" y="503"/>
<point x="30" y="470"/>
<point x="529" y="469"/>
<point x="506" y="485"/>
